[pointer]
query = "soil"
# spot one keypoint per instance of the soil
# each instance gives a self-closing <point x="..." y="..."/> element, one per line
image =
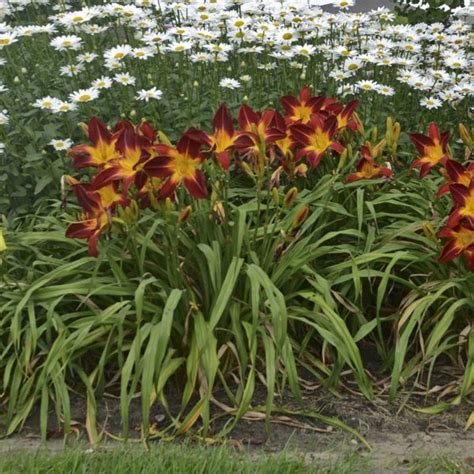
<point x="397" y="435"/>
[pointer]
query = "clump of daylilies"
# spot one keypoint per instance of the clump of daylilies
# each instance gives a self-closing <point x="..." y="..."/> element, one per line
<point x="137" y="166"/>
<point x="434" y="149"/>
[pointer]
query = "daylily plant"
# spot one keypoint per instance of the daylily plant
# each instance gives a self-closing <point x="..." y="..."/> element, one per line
<point x="135" y="163"/>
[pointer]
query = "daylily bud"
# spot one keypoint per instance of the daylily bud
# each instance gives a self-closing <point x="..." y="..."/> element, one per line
<point x="301" y="216"/>
<point x="342" y="160"/>
<point x="290" y="197"/>
<point x="396" y="133"/>
<point x="163" y="138"/>
<point x="133" y="113"/>
<point x="429" y="231"/>
<point x="389" y="128"/>
<point x="63" y="190"/>
<point x="450" y="151"/>
<point x="84" y="128"/>
<point x="196" y="83"/>
<point x="360" y="125"/>
<point x="464" y="134"/>
<point x="373" y="134"/>
<point x="377" y="150"/>
<point x="168" y="205"/>
<point x="275" y="178"/>
<point x="350" y="152"/>
<point x="185" y="213"/>
<point x="276" y="196"/>
<point x="24" y="70"/>
<point x="218" y="208"/>
<point x="301" y="170"/>
<point x="247" y="169"/>
<point x="16" y="80"/>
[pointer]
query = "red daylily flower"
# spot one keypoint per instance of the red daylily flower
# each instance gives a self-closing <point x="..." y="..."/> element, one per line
<point x="128" y="166"/>
<point x="463" y="198"/>
<point x="285" y="144"/>
<point x="345" y="115"/>
<point x="433" y="149"/>
<point x="316" y="138"/>
<point x="457" y="174"/>
<point x="260" y="129"/>
<point x="180" y="164"/>
<point x="222" y="139"/>
<point x="367" y="168"/>
<point x="98" y="206"/>
<point x="300" y="109"/>
<point x="102" y="150"/>
<point x="461" y="242"/>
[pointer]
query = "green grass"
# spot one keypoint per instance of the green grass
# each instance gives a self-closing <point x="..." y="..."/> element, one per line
<point x="438" y="464"/>
<point x="174" y="458"/>
<point x="170" y="459"/>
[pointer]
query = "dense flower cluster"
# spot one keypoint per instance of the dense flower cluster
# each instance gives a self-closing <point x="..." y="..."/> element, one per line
<point x="266" y="146"/>
<point x="357" y="49"/>
<point x="434" y="150"/>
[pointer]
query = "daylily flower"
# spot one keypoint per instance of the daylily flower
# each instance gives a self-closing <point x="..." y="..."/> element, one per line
<point x="222" y="139"/>
<point x="148" y="190"/>
<point x="463" y="198"/>
<point x="258" y="132"/>
<point x="316" y="138"/>
<point x="260" y="128"/>
<point x="457" y="174"/>
<point x="367" y="168"/>
<point x="433" y="148"/>
<point x="98" y="206"/>
<point x="345" y="115"/>
<point x="300" y="109"/>
<point x="128" y="166"/>
<point x="180" y="164"/>
<point x="286" y="144"/>
<point x="102" y="149"/>
<point x="461" y="242"/>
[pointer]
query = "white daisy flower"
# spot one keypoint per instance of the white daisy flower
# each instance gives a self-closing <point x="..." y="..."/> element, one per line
<point x="367" y="86"/>
<point x="306" y="50"/>
<point x="385" y="90"/>
<point x="63" y="43"/>
<point x="6" y="39"/>
<point x="71" y="70"/>
<point x="61" y="144"/>
<point x="117" y="53"/>
<point x="46" y="103"/>
<point x="179" y="46"/>
<point x="352" y="64"/>
<point x="103" y="82"/>
<point x="61" y="107"/>
<point x="430" y="103"/>
<point x="87" y="57"/>
<point x="143" y="53"/>
<point x="125" y="79"/>
<point x="343" y="4"/>
<point x="152" y="93"/>
<point x="228" y="83"/>
<point x="84" y="95"/>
